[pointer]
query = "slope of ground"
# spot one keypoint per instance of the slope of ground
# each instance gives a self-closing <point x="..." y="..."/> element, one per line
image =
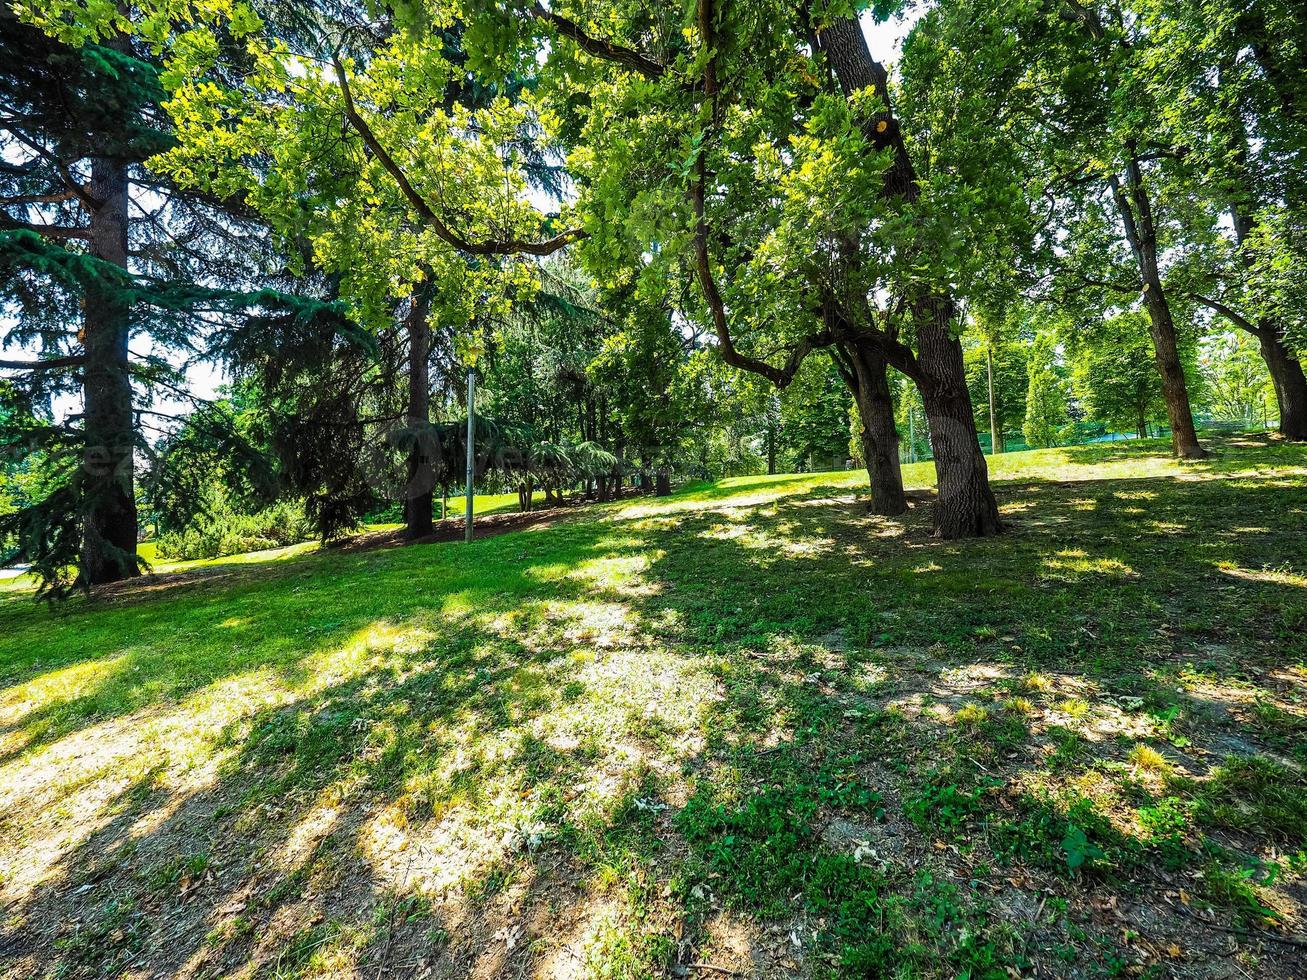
<point x="747" y="730"/>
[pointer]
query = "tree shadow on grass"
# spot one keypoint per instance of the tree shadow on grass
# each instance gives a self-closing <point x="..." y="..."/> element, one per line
<point x="1034" y="708"/>
<point x="594" y="745"/>
<point x="294" y="849"/>
<point x="293" y="615"/>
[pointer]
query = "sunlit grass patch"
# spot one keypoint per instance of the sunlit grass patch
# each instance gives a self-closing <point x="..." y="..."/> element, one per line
<point x="661" y="732"/>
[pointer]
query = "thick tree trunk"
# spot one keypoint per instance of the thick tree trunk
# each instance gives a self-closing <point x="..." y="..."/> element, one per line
<point x="662" y="483"/>
<point x="110" y="529"/>
<point x="1290" y="383"/>
<point x="419" y="489"/>
<point x="966" y="506"/>
<point x="880" y="437"/>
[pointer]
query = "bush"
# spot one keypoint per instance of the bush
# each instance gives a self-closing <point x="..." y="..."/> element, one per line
<point x="223" y="532"/>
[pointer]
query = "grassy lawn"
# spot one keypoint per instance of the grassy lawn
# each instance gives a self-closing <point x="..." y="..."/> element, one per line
<point x="747" y="729"/>
<point x="483" y="504"/>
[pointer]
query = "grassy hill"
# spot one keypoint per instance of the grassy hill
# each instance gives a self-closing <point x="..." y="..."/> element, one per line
<point x="746" y="729"/>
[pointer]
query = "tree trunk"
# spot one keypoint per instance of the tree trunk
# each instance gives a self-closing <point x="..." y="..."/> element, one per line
<point x="1137" y="220"/>
<point x="421" y="477"/>
<point x="1290" y="384"/>
<point x="771" y="450"/>
<point x="1285" y="369"/>
<point x="880" y="437"/>
<point x="110" y="530"/>
<point x="1175" y="391"/>
<point x="966" y="506"/>
<point x="662" y="483"/>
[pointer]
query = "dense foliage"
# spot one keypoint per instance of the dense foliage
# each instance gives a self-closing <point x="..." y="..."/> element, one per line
<point x="715" y="239"/>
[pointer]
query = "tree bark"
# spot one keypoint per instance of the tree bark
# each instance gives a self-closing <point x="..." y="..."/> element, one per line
<point x="966" y="505"/>
<point x="865" y="372"/>
<point x="419" y="489"/>
<point x="110" y="528"/>
<point x="1135" y="210"/>
<point x="1175" y="390"/>
<point x="1290" y="383"/>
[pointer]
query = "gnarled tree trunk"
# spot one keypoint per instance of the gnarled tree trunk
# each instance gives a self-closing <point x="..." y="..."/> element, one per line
<point x="966" y="505"/>
<point x="110" y="523"/>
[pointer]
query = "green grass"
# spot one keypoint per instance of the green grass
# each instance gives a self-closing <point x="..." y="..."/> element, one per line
<point x="483" y="504"/>
<point x="748" y="725"/>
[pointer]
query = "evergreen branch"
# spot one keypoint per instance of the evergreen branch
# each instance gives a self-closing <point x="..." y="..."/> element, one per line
<point x="78" y="189"/>
<point x="26" y="199"/>
<point x="56" y="232"/>
<point x="509" y="246"/>
<point x="47" y="364"/>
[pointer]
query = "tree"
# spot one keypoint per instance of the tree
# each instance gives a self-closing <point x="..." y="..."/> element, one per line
<point x="1046" y="396"/>
<point x="1111" y="374"/>
<point x="97" y="254"/>
<point x="1220" y="70"/>
<point x="803" y="258"/>
<point x="1106" y="159"/>
<point x="1238" y="386"/>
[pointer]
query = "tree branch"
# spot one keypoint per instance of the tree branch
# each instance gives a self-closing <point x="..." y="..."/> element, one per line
<point x="53" y="198"/>
<point x="598" y="47"/>
<point x="59" y="232"/>
<point x="80" y="191"/>
<point x="47" y="364"/>
<point x="1226" y="311"/>
<point x="1106" y="284"/>
<point x="782" y="376"/>
<point x="510" y="246"/>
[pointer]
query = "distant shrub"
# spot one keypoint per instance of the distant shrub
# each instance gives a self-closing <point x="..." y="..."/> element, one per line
<point x="223" y="532"/>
